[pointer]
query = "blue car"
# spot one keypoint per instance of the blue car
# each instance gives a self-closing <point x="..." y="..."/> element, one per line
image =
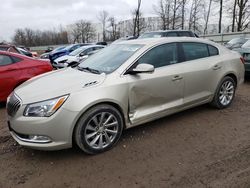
<point x="65" y="51"/>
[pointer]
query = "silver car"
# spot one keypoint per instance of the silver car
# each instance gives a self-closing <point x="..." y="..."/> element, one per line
<point x="124" y="85"/>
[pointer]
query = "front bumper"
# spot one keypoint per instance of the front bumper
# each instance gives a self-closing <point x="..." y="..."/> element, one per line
<point x="58" y="128"/>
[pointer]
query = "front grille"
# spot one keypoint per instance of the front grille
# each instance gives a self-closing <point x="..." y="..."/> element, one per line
<point x="13" y="105"/>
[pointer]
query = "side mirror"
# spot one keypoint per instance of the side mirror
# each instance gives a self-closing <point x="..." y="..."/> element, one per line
<point x="143" y="68"/>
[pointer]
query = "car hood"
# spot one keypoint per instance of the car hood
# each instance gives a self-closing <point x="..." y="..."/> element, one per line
<point x="57" y="83"/>
<point x="67" y="58"/>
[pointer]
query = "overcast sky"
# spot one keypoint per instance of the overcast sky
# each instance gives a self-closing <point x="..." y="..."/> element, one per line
<point x="49" y="14"/>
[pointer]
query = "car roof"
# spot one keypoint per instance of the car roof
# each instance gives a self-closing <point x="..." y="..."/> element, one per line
<point x="154" y="41"/>
<point x="15" y="54"/>
<point x="166" y="31"/>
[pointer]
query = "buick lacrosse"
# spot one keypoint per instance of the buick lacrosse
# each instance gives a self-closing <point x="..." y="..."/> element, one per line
<point x="124" y="85"/>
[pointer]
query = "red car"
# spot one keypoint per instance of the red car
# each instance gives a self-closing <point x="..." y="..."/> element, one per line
<point x="16" y="69"/>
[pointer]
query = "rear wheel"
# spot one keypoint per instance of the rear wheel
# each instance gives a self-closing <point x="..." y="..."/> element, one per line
<point x="225" y="93"/>
<point x="99" y="129"/>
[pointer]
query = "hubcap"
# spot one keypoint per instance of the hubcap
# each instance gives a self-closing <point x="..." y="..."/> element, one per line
<point x="101" y="130"/>
<point x="226" y="93"/>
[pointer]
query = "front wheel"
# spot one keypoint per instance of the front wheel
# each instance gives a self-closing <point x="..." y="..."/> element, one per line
<point x="99" y="129"/>
<point x="225" y="93"/>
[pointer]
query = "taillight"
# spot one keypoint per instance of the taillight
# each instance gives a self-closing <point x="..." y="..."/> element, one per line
<point x="242" y="60"/>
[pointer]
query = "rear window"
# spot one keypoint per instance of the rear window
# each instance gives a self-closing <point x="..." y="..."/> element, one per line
<point x="195" y="50"/>
<point x="3" y="48"/>
<point x="184" y="34"/>
<point x="5" y="60"/>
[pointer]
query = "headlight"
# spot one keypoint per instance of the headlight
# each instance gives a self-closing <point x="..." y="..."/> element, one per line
<point x="45" y="108"/>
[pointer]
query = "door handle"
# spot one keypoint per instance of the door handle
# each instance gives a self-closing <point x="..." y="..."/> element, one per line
<point x="216" y="67"/>
<point x="177" y="77"/>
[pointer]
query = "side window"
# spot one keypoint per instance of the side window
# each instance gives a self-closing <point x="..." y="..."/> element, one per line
<point x="160" y="56"/>
<point x="172" y="34"/>
<point x="5" y="60"/>
<point x="194" y="50"/>
<point x="184" y="34"/>
<point x="213" y="50"/>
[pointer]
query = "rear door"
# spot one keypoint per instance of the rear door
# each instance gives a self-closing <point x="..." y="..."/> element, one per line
<point x="202" y="70"/>
<point x="156" y="94"/>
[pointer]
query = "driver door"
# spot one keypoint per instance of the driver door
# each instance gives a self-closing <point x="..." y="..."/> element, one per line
<point x="153" y="95"/>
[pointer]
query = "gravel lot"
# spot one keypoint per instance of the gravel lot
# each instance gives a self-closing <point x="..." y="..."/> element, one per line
<point x="201" y="147"/>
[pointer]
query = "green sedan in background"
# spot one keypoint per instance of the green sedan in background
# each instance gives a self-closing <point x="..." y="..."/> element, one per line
<point x="245" y="52"/>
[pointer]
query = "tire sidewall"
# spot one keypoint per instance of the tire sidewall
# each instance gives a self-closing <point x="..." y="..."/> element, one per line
<point x="217" y="100"/>
<point x="83" y="121"/>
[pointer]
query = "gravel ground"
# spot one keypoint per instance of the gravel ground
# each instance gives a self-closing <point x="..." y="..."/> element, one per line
<point x="201" y="147"/>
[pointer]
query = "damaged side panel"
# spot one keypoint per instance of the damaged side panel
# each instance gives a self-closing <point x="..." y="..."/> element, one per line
<point x="151" y="95"/>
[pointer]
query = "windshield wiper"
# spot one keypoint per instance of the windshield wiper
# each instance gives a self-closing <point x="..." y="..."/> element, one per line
<point x="89" y="70"/>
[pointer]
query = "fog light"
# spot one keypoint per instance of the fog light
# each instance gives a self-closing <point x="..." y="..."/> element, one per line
<point x="39" y="139"/>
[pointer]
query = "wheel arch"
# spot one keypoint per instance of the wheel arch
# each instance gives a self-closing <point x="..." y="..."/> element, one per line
<point x="111" y="103"/>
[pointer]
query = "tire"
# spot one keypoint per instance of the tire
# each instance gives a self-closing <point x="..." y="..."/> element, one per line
<point x="99" y="129"/>
<point x="224" y="93"/>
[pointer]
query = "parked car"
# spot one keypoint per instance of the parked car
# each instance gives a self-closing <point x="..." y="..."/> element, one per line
<point x="24" y="52"/>
<point x="65" y="51"/>
<point x="73" y="59"/>
<point x="16" y="69"/>
<point x="9" y="48"/>
<point x="125" y="38"/>
<point x="124" y="85"/>
<point x="235" y="43"/>
<point x="245" y="52"/>
<point x="168" y="33"/>
<point x="46" y="54"/>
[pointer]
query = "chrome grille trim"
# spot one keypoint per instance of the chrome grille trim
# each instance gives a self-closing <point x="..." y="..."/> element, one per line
<point x="13" y="104"/>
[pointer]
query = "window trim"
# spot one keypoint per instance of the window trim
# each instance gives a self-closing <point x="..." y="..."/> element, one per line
<point x="184" y="55"/>
<point x="135" y="62"/>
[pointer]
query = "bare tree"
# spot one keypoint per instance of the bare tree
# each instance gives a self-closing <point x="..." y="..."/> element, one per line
<point x="162" y="9"/>
<point x="138" y="21"/>
<point x="194" y="16"/>
<point x="29" y="37"/>
<point x="103" y="18"/>
<point x="234" y="15"/>
<point x="183" y="6"/>
<point x="83" y="31"/>
<point x="243" y="14"/>
<point x="114" y="33"/>
<point x="207" y="15"/>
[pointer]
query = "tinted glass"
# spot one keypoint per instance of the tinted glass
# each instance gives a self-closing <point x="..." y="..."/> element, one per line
<point x="246" y="45"/>
<point x="237" y="41"/>
<point x="195" y="50"/>
<point x="111" y="57"/>
<point x="5" y="60"/>
<point x="171" y="34"/>
<point x="212" y="50"/>
<point x="3" y="48"/>
<point x="78" y="51"/>
<point x="151" y="35"/>
<point x="184" y="34"/>
<point x="161" y="55"/>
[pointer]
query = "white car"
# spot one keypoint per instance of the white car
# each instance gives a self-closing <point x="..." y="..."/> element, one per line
<point x="124" y="85"/>
<point x="76" y="56"/>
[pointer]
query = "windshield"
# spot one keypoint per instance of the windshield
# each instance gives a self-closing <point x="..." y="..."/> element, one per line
<point x="237" y="41"/>
<point x="110" y="58"/>
<point x="247" y="44"/>
<point x="151" y="35"/>
<point x="78" y="51"/>
<point x="58" y="48"/>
